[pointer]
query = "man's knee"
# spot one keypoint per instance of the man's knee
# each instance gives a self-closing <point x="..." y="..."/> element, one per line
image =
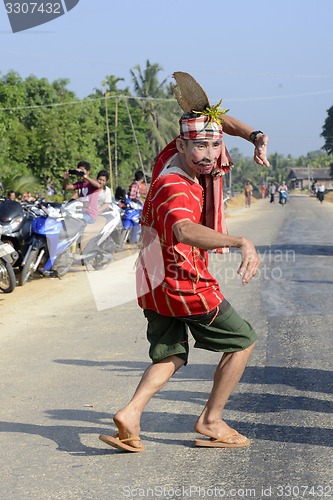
<point x="175" y="360"/>
<point x="248" y="350"/>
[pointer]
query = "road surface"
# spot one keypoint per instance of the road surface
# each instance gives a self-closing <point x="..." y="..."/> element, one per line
<point x="69" y="360"/>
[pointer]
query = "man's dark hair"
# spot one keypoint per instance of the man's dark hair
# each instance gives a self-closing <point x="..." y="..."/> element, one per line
<point x="103" y="173"/>
<point x="10" y="192"/>
<point x="188" y="115"/>
<point x="84" y="164"/>
<point x="139" y="175"/>
<point x="120" y="193"/>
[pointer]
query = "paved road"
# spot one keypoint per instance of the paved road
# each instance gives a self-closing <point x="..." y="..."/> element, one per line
<point x="65" y="367"/>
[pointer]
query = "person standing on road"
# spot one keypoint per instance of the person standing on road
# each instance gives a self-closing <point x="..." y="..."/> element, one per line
<point x="272" y="191"/>
<point x="248" y="194"/>
<point x="321" y="192"/>
<point x="263" y="191"/>
<point x="186" y="295"/>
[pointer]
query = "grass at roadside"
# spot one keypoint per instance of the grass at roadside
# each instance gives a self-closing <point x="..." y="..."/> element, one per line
<point x="238" y="201"/>
<point x="329" y="197"/>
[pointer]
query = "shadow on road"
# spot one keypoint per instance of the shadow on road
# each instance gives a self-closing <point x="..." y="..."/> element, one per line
<point x="303" y="379"/>
<point x="326" y="250"/>
<point x="68" y="436"/>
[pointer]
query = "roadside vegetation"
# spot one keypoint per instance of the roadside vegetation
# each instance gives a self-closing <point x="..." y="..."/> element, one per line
<point x="45" y="128"/>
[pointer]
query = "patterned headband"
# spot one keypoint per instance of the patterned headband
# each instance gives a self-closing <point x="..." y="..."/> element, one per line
<point x="207" y="125"/>
<point x="200" y="128"/>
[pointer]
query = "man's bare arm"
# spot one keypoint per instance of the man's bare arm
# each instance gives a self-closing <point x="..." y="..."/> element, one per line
<point x="203" y="237"/>
<point x="232" y="126"/>
<point x="66" y="186"/>
<point x="93" y="182"/>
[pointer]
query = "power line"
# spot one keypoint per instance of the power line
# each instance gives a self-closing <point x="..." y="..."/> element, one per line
<point x="156" y="99"/>
<point x="83" y="101"/>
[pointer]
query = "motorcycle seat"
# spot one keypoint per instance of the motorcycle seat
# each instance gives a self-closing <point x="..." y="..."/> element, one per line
<point x="92" y="230"/>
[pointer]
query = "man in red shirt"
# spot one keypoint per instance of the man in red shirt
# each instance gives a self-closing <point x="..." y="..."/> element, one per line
<point x="176" y="290"/>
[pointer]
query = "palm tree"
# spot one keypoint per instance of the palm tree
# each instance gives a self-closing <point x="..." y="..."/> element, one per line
<point x="160" y="114"/>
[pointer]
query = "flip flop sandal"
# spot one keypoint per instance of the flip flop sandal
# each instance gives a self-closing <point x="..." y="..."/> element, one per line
<point x="121" y="444"/>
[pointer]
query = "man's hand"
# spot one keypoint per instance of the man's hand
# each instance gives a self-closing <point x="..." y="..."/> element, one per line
<point x="260" y="150"/>
<point x="66" y="174"/>
<point x="250" y="261"/>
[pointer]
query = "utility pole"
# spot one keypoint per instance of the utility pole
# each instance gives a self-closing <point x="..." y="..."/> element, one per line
<point x="116" y="143"/>
<point x="108" y="138"/>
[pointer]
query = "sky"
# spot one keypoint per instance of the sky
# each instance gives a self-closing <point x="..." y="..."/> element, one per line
<point x="270" y="62"/>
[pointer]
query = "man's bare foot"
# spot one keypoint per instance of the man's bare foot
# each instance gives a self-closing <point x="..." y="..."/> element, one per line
<point x="128" y="424"/>
<point x="219" y="429"/>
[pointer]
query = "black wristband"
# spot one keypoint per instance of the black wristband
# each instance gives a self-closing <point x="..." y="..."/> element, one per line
<point x="254" y="134"/>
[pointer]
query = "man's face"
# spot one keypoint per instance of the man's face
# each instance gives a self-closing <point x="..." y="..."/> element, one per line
<point x="83" y="169"/>
<point x="201" y="155"/>
<point x="102" y="180"/>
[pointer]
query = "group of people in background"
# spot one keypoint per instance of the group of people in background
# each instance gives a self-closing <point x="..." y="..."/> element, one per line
<point x="96" y="195"/>
<point x="318" y="189"/>
<point x="272" y="190"/>
<point x="282" y="191"/>
<point x="25" y="197"/>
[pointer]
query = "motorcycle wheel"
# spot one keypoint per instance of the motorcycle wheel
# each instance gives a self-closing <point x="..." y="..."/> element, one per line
<point x="127" y="235"/>
<point x="63" y="263"/>
<point x="104" y="257"/>
<point x="7" y="277"/>
<point x="28" y="268"/>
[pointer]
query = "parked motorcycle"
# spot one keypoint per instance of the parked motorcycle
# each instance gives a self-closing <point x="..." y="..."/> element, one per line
<point x="16" y="221"/>
<point x="57" y="238"/>
<point x="7" y="259"/>
<point x="110" y="239"/>
<point x="131" y="218"/>
<point x="53" y="235"/>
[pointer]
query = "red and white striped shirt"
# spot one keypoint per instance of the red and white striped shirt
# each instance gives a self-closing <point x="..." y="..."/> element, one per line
<point x="172" y="277"/>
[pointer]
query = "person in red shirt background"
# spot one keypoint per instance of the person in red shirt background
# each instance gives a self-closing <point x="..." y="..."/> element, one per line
<point x="137" y="187"/>
<point x="263" y="191"/>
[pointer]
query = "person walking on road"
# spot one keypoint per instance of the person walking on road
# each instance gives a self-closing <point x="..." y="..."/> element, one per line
<point x="272" y="191"/>
<point x="321" y="192"/>
<point x="248" y="194"/>
<point x="263" y="191"/>
<point x="175" y="289"/>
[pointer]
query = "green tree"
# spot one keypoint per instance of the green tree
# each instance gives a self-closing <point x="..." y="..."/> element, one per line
<point x="327" y="132"/>
<point x="61" y="134"/>
<point x="14" y="147"/>
<point x="124" y="149"/>
<point x="161" y="117"/>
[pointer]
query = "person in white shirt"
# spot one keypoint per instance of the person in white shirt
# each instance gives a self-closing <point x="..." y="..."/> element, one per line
<point x="321" y="192"/>
<point x="104" y="194"/>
